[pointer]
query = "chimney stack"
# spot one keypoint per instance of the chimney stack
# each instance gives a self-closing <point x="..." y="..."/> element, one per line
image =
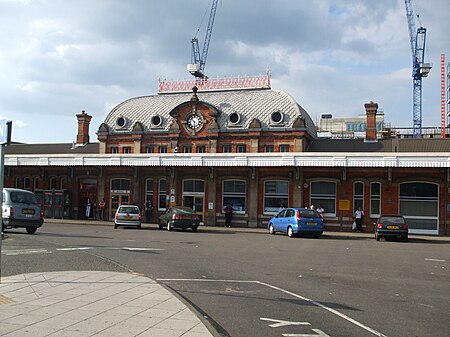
<point x="371" y="121"/>
<point x="83" y="127"/>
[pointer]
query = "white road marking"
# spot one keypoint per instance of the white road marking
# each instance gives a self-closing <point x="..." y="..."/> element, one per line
<point x="435" y="260"/>
<point x="333" y="311"/>
<point x="74" y="248"/>
<point x="140" y="249"/>
<point x="280" y="323"/>
<point x="25" y="252"/>
<point x="320" y="334"/>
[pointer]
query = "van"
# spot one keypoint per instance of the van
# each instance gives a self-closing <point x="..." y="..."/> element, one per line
<point x="20" y="209"/>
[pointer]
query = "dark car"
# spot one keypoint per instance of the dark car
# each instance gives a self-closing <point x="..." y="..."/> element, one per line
<point x="179" y="217"/>
<point x="128" y="215"/>
<point x="21" y="210"/>
<point x="293" y="221"/>
<point x="391" y="226"/>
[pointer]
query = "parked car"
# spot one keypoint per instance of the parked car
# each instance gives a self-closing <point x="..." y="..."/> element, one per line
<point x="391" y="226"/>
<point x="128" y="215"/>
<point x="294" y="221"/>
<point x="179" y="217"/>
<point x="20" y="209"/>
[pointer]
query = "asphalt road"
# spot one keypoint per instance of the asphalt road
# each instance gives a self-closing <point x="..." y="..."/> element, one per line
<point x="248" y="283"/>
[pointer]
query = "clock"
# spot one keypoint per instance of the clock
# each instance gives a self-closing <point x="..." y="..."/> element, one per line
<point x="194" y="122"/>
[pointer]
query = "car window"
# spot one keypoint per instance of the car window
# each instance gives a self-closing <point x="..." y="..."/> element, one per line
<point x="392" y="219"/>
<point x="183" y="210"/>
<point x="23" y="198"/>
<point x="130" y="210"/>
<point x="290" y="213"/>
<point x="281" y="214"/>
<point x="309" y="213"/>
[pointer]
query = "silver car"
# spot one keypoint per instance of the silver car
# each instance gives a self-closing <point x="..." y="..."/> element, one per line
<point x="128" y="215"/>
<point x="20" y="209"/>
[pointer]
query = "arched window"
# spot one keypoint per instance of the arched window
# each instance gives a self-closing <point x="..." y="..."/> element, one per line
<point x="358" y="195"/>
<point x="276" y="195"/>
<point x="234" y="192"/>
<point x="324" y="193"/>
<point x="375" y="199"/>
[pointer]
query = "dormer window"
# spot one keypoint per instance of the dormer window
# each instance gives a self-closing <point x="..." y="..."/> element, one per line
<point x="234" y="118"/>
<point x="121" y="122"/>
<point x="156" y="121"/>
<point x="276" y="117"/>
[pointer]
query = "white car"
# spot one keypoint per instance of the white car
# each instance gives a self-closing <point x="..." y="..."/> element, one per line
<point x="128" y="215"/>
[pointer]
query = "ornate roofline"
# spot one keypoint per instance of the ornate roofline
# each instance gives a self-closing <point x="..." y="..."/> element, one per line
<point x="294" y="159"/>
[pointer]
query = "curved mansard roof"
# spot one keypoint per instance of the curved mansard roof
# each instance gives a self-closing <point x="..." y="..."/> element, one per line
<point x="248" y="104"/>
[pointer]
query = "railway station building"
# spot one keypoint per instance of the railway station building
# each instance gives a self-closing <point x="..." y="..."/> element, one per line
<point x="204" y="146"/>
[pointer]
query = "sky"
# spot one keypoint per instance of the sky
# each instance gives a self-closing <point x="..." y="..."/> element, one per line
<point x="59" y="57"/>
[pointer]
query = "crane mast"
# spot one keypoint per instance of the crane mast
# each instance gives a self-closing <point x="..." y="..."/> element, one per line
<point x="197" y="65"/>
<point x="417" y="39"/>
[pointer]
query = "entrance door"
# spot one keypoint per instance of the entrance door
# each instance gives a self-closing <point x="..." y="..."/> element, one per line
<point x="196" y="203"/>
<point x="116" y="200"/>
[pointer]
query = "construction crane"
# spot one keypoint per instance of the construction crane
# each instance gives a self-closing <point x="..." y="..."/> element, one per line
<point x="417" y="38"/>
<point x="197" y="65"/>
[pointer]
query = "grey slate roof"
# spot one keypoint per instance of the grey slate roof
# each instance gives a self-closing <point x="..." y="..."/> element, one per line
<point x="383" y="145"/>
<point x="54" y="148"/>
<point x="249" y="104"/>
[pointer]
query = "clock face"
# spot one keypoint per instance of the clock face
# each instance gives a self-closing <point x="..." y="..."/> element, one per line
<point x="194" y="122"/>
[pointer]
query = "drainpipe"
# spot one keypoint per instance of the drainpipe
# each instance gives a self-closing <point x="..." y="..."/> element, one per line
<point x="446" y="202"/>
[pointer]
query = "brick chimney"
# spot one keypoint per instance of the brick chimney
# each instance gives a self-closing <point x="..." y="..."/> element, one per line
<point x="371" y="121"/>
<point x="83" y="127"/>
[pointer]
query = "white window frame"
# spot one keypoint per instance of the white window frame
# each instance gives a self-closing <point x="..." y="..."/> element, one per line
<point x="324" y="196"/>
<point x="375" y="198"/>
<point x="162" y="192"/>
<point x="358" y="196"/>
<point x="283" y="196"/>
<point x="234" y="194"/>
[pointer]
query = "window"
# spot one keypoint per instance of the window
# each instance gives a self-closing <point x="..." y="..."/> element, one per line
<point x="63" y="184"/>
<point x="201" y="149"/>
<point x="194" y="186"/>
<point x="419" y="204"/>
<point x="26" y="183"/>
<point x="120" y="186"/>
<point x="53" y="184"/>
<point x="358" y="196"/>
<point x="162" y="149"/>
<point x="241" y="149"/>
<point x="149" y="190"/>
<point x="126" y="149"/>
<point x="269" y="148"/>
<point x="284" y="148"/>
<point x="187" y="149"/>
<point x="375" y="200"/>
<point x="234" y="193"/>
<point x="276" y="117"/>
<point x="36" y="183"/>
<point x="17" y="182"/>
<point x="162" y="195"/>
<point x="114" y="149"/>
<point x="226" y="149"/>
<point x="150" y="149"/>
<point x="324" y="193"/>
<point x="276" y="195"/>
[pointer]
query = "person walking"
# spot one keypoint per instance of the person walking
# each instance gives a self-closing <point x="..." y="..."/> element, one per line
<point x="148" y="209"/>
<point x="228" y="214"/>
<point x="101" y="207"/>
<point x="359" y="217"/>
<point x="321" y="211"/>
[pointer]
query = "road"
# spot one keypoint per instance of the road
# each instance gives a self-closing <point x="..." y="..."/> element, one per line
<point x="249" y="283"/>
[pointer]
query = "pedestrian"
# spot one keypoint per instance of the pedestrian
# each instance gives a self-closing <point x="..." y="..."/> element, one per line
<point x="320" y="210"/>
<point x="148" y="209"/>
<point x="228" y="214"/>
<point x="87" y="212"/>
<point x="311" y="207"/>
<point x="359" y="217"/>
<point x="101" y="207"/>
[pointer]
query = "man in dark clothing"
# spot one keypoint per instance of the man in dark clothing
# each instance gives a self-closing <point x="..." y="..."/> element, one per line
<point x="228" y="214"/>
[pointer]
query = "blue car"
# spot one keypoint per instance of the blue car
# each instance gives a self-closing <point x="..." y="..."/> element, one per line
<point x="294" y="221"/>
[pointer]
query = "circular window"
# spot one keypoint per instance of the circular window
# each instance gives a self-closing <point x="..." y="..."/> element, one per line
<point x="121" y="122"/>
<point x="156" y="120"/>
<point x="234" y="118"/>
<point x="277" y="117"/>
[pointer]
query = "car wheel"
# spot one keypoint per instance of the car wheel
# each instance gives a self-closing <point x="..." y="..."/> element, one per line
<point x="160" y="224"/>
<point x="139" y="226"/>
<point x="31" y="230"/>
<point x="194" y="228"/>
<point x="405" y="238"/>
<point x="169" y="227"/>
<point x="115" y="226"/>
<point x="290" y="232"/>
<point x="271" y="229"/>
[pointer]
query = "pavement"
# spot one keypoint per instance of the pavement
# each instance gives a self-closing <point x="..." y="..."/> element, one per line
<point x="107" y="304"/>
